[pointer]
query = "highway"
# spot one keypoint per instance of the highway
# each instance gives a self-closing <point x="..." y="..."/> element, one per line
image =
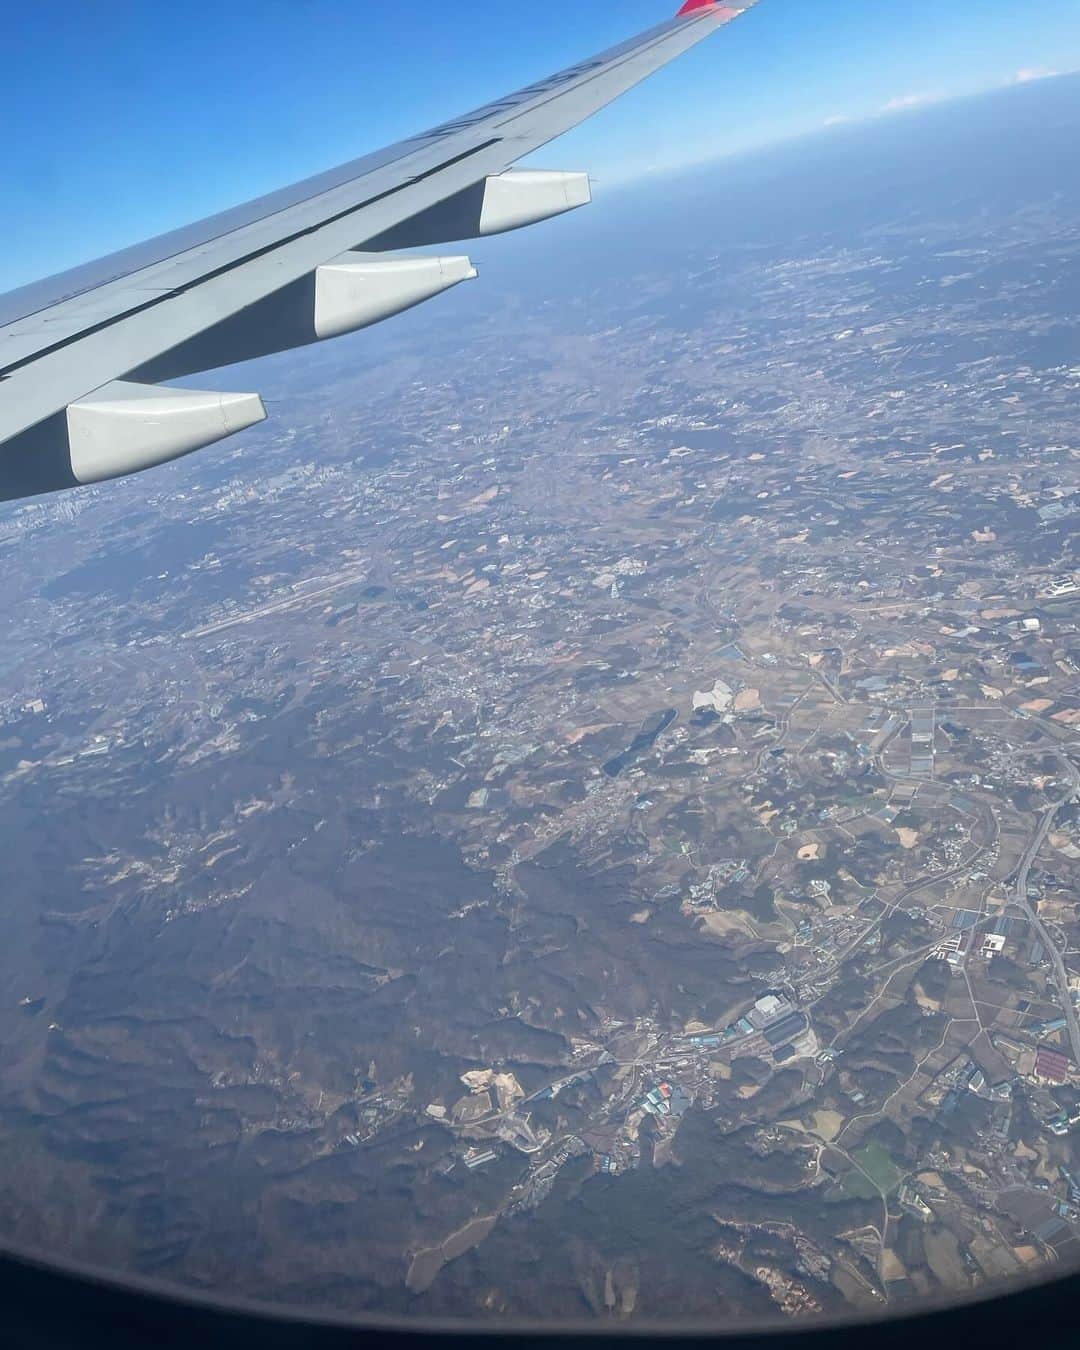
<point x="1052" y="949"/>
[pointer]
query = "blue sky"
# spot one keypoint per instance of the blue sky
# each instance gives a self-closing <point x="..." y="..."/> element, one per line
<point x="132" y="117"/>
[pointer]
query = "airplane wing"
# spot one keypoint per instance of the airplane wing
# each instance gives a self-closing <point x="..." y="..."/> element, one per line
<point x="83" y="355"/>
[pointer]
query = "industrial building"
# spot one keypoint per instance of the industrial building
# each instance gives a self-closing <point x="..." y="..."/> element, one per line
<point x="786" y="1030"/>
<point x="1051" y="1066"/>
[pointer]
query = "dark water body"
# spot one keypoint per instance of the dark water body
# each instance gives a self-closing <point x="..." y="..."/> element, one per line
<point x="644" y="740"/>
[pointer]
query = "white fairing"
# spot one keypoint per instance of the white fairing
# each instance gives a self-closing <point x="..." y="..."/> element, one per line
<point x="356" y="290"/>
<point x="525" y="196"/>
<point x="124" y="427"/>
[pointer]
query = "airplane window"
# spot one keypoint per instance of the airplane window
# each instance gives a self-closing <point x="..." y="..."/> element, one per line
<point x="562" y="806"/>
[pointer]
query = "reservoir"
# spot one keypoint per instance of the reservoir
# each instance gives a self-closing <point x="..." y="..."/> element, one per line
<point x="644" y="740"/>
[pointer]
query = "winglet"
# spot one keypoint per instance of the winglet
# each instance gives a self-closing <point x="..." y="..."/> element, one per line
<point x="692" y="7"/>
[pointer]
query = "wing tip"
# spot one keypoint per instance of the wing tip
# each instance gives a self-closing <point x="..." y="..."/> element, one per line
<point x="694" y="6"/>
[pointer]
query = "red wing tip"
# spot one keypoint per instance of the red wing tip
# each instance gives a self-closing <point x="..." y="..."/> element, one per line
<point x="692" y="6"/>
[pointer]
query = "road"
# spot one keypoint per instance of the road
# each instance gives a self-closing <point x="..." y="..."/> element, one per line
<point x="960" y="870"/>
<point x="1022" y="899"/>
